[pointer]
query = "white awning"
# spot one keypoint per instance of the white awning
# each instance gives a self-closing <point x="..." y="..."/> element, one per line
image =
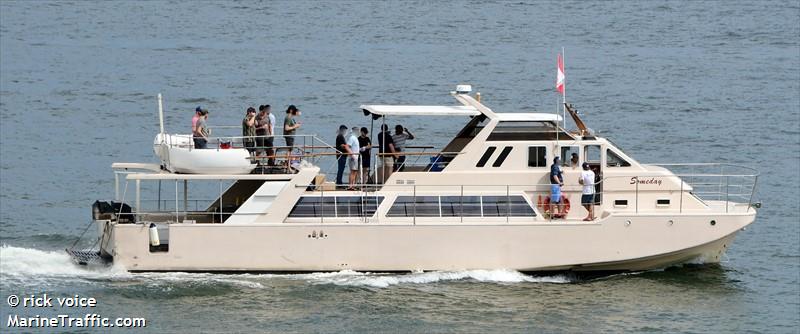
<point x="389" y="110"/>
<point x="534" y="117"/>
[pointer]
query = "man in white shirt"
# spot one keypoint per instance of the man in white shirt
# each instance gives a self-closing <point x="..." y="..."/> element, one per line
<point x="587" y="198"/>
<point x="352" y="157"/>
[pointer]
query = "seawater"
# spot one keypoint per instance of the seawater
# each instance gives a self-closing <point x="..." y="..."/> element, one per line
<point x="667" y="81"/>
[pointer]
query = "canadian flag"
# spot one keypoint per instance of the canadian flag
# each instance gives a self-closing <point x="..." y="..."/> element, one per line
<point x="560" y="75"/>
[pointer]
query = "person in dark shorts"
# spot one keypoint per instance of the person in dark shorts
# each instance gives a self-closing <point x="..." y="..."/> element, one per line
<point x="587" y="198"/>
<point x="386" y="154"/>
<point x="249" y="130"/>
<point x="201" y="131"/>
<point x="265" y="124"/>
<point x="365" y="146"/>
<point x="401" y="134"/>
<point x="290" y="125"/>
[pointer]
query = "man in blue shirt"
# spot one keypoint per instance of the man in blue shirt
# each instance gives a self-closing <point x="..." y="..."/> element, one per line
<point x="556" y="181"/>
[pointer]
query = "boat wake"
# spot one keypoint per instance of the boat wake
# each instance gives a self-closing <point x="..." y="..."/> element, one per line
<point x="34" y="267"/>
<point x="379" y="280"/>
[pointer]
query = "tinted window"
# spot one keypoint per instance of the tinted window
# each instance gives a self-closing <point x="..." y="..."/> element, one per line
<point x="526" y="130"/>
<point x="471" y="206"/>
<point x="613" y="160"/>
<point x="408" y="206"/>
<point x="342" y="206"/>
<point x="501" y="206"/>
<point x="486" y="155"/>
<point x="537" y="156"/>
<point x="502" y="157"/>
<point x="451" y="206"/>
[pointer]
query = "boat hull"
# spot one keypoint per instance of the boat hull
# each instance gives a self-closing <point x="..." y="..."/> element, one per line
<point x="616" y="243"/>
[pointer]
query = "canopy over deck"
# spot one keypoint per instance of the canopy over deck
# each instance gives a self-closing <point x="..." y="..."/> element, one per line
<point x="397" y="110"/>
<point x="530" y="117"/>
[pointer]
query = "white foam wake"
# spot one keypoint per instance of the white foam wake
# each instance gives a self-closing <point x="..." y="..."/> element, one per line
<point x="35" y="267"/>
<point x="352" y="278"/>
<point x="26" y="264"/>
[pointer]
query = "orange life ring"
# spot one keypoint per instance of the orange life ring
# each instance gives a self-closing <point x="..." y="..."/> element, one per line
<point x="564" y="200"/>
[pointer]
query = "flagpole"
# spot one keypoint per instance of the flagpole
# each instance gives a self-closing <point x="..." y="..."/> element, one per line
<point x="564" y="95"/>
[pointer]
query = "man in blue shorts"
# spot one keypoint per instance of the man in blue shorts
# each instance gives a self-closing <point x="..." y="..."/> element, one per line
<point x="556" y="181"/>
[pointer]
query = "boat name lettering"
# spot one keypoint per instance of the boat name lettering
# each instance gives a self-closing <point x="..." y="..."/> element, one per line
<point x="651" y="180"/>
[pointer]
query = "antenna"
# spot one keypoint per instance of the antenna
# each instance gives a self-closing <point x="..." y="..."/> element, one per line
<point x="161" y="116"/>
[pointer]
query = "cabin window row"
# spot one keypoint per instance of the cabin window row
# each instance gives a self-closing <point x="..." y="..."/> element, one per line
<point x="460" y="206"/>
<point x="336" y="206"/>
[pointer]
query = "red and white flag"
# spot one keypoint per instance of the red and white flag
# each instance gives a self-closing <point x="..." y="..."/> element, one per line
<point x="560" y="75"/>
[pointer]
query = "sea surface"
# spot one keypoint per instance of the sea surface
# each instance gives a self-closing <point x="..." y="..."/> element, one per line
<point x="668" y="81"/>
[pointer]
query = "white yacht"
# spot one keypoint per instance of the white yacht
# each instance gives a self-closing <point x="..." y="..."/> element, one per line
<point x="480" y="202"/>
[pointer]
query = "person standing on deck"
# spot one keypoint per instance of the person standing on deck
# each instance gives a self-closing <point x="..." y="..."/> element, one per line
<point x="290" y="125"/>
<point x="201" y="131"/>
<point x="195" y="118"/>
<point x="249" y="130"/>
<point x="342" y="151"/>
<point x="587" y="197"/>
<point x="265" y="126"/>
<point x="386" y="153"/>
<point x="399" y="138"/>
<point x="352" y="159"/>
<point x="556" y="182"/>
<point x="365" y="146"/>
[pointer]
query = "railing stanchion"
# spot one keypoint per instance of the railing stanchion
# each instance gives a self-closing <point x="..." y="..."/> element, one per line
<point x="508" y="205"/>
<point x="462" y="203"/>
<point x="177" y="220"/>
<point x="681" y="200"/>
<point x="726" y="193"/>
<point x="414" y="191"/>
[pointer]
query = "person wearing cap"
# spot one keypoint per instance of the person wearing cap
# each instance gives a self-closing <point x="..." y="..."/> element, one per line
<point x="556" y="182"/>
<point x="342" y="151"/>
<point x="195" y="118"/>
<point x="587" y="197"/>
<point x="352" y="159"/>
<point x="249" y="130"/>
<point x="201" y="131"/>
<point x="290" y="125"/>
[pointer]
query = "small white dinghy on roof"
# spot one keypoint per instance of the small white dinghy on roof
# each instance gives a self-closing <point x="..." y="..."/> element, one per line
<point x="178" y="155"/>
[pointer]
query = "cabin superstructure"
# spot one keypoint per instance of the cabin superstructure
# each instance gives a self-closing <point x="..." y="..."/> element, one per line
<point x="479" y="202"/>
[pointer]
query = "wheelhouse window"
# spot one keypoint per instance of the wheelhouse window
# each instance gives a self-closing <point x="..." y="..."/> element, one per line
<point x="336" y="206"/>
<point x="526" y="130"/>
<point x="614" y="160"/>
<point x="591" y="153"/>
<point x="566" y="155"/>
<point x="537" y="156"/>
